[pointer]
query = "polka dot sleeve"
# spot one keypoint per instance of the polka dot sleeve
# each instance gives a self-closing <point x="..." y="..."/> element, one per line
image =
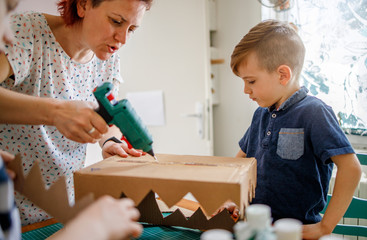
<point x="20" y="52"/>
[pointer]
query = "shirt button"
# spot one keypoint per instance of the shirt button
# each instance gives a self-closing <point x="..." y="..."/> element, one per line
<point x="273" y="115"/>
<point x="268" y="133"/>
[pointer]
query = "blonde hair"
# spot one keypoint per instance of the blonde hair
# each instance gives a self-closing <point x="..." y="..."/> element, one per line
<point x="275" y="43"/>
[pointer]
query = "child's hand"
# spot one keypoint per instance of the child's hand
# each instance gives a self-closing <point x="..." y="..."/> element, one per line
<point x="107" y="218"/>
<point x="232" y="209"/>
<point x="7" y="157"/>
<point x="314" y="231"/>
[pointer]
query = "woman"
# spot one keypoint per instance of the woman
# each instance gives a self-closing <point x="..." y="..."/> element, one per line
<point x="46" y="80"/>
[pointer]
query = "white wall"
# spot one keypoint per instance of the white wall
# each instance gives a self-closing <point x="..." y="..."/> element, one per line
<point x="44" y="6"/>
<point x="170" y="53"/>
<point x="233" y="114"/>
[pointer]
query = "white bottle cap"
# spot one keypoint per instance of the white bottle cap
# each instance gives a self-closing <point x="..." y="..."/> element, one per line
<point x="258" y="216"/>
<point x="216" y="234"/>
<point x="288" y="229"/>
<point x="242" y="231"/>
<point x="240" y="226"/>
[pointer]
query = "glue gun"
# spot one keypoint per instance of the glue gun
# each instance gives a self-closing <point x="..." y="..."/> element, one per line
<point x="123" y="115"/>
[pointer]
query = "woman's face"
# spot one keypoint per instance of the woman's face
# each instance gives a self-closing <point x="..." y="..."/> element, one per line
<point x="107" y="27"/>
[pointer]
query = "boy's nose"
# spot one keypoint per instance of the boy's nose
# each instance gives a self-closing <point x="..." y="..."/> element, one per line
<point x="246" y="89"/>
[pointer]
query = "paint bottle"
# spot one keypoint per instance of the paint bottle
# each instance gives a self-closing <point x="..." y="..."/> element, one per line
<point x="288" y="229"/>
<point x="257" y="225"/>
<point x="216" y="234"/>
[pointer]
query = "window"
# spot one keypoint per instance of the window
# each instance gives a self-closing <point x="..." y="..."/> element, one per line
<point x="335" y="68"/>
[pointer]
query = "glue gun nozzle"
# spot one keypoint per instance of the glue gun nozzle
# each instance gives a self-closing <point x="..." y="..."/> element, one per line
<point x="151" y="153"/>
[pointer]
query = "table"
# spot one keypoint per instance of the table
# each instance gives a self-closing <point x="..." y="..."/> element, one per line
<point x="149" y="232"/>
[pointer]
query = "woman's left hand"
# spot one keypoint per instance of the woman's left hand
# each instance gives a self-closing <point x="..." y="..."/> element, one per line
<point x="112" y="148"/>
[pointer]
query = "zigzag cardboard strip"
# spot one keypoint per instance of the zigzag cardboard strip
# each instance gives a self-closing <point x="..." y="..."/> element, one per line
<point x="53" y="200"/>
<point x="150" y="213"/>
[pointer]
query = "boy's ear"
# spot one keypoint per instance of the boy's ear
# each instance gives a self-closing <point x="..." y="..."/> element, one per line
<point x="285" y="74"/>
<point x="81" y="8"/>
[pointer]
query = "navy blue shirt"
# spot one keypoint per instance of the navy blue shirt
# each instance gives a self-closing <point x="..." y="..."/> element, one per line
<point x="293" y="146"/>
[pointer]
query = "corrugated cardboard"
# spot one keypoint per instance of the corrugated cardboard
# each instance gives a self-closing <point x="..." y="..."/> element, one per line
<point x="54" y="200"/>
<point x="211" y="180"/>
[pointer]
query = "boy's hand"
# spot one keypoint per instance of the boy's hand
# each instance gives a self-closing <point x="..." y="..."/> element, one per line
<point x="7" y="157"/>
<point x="107" y="218"/>
<point x="314" y="231"/>
<point x="232" y="209"/>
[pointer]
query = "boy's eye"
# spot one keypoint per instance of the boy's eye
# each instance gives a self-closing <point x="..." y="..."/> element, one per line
<point x="250" y="81"/>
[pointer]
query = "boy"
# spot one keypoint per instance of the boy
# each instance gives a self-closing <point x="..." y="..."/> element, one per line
<point x="294" y="137"/>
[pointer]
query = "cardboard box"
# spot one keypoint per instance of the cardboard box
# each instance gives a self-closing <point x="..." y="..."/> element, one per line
<point x="211" y="180"/>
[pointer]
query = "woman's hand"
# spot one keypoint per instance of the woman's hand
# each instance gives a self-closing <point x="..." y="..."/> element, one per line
<point x="8" y="157"/>
<point x="107" y="218"/>
<point x="111" y="148"/>
<point x="78" y="121"/>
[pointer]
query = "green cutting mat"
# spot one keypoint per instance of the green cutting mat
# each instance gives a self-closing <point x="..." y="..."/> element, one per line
<point x="42" y="233"/>
<point x="149" y="232"/>
<point x="163" y="232"/>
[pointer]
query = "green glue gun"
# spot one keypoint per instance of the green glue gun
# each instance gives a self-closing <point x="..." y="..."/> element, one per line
<point x="122" y="114"/>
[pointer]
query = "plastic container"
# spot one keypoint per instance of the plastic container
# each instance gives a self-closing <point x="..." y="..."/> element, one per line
<point x="242" y="231"/>
<point x="258" y="216"/>
<point x="216" y="234"/>
<point x="257" y="226"/>
<point x="288" y="229"/>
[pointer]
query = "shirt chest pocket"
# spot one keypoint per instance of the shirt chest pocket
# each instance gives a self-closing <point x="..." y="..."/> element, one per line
<point x="291" y="143"/>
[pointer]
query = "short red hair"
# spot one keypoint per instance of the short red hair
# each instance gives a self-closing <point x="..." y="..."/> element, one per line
<point x="68" y="9"/>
